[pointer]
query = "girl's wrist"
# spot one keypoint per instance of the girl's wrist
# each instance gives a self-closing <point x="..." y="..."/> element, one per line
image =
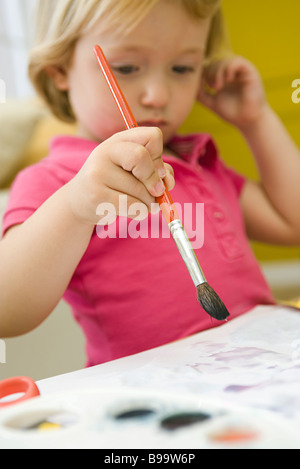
<point x="255" y="126"/>
<point x="73" y="209"/>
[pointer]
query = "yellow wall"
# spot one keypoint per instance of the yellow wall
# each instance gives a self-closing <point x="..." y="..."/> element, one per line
<point x="267" y="32"/>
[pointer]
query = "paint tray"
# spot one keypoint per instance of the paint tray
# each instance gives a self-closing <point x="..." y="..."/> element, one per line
<point x="126" y="418"/>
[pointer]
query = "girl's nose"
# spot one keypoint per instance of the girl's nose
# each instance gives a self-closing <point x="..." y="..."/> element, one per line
<point x="155" y="92"/>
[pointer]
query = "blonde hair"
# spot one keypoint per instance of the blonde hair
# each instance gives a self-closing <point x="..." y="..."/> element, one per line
<point x="60" y="23"/>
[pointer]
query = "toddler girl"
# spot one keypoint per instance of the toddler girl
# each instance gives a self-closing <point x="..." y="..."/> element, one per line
<point x="126" y="283"/>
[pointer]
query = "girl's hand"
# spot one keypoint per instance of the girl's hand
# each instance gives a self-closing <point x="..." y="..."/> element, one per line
<point x="233" y="90"/>
<point x="129" y="163"/>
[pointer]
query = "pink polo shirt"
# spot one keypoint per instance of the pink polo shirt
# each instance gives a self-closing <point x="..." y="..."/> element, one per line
<point x="131" y="291"/>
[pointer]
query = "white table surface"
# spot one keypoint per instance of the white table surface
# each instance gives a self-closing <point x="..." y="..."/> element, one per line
<point x="253" y="361"/>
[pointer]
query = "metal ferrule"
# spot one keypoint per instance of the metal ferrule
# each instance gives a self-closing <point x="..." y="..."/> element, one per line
<point x="187" y="253"/>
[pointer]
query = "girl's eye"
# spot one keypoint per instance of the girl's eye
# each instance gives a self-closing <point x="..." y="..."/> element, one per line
<point x="126" y="69"/>
<point x="182" y="69"/>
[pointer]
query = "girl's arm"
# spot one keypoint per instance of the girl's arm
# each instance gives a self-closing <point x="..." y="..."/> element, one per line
<point x="270" y="207"/>
<point x="39" y="257"/>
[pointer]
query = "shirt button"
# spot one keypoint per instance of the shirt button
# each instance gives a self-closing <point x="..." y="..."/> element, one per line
<point x="219" y="215"/>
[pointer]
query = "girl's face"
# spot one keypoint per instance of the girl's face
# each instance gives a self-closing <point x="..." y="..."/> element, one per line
<point x="158" y="67"/>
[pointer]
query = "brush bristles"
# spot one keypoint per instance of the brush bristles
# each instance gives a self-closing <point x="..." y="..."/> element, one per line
<point x="211" y="303"/>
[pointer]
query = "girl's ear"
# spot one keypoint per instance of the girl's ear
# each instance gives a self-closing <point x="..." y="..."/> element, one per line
<point x="59" y="75"/>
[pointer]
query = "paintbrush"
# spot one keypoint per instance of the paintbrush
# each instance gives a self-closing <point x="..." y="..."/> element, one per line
<point x="207" y="297"/>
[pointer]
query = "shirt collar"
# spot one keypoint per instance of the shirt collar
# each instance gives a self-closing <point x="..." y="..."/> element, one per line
<point x="195" y="148"/>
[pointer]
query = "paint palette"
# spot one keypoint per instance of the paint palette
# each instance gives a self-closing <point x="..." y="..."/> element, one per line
<point x="139" y="419"/>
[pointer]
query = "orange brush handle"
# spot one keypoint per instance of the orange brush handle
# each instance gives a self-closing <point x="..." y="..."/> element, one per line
<point x="119" y="98"/>
<point x="165" y="201"/>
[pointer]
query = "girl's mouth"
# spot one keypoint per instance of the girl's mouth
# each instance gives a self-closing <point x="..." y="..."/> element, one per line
<point x="152" y="123"/>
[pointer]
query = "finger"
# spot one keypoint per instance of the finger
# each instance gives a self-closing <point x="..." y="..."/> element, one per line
<point x="169" y="178"/>
<point x="222" y="75"/>
<point x="223" y="72"/>
<point x="121" y="181"/>
<point x="123" y="205"/>
<point x="238" y="68"/>
<point x="212" y="73"/>
<point x="155" y="148"/>
<point x="136" y="159"/>
<point x="149" y="137"/>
